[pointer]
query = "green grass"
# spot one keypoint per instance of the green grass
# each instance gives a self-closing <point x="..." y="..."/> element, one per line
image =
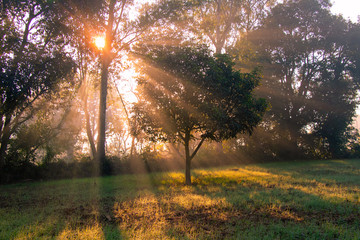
<point x="301" y="200"/>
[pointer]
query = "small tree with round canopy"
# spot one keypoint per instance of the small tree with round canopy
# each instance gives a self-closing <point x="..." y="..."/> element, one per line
<point x="189" y="96"/>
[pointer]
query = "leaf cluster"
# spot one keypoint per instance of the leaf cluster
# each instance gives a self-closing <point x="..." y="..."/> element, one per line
<point x="188" y="90"/>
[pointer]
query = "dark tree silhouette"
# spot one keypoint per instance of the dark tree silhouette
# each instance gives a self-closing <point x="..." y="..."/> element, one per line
<point x="32" y="63"/>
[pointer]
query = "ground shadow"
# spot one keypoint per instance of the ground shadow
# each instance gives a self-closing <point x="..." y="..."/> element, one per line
<point x="107" y="220"/>
<point x="250" y="202"/>
<point x="289" y="211"/>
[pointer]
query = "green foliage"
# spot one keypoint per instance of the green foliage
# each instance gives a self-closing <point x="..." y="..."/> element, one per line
<point x="311" y="73"/>
<point x="33" y="63"/>
<point x="32" y="60"/>
<point x="218" y="22"/>
<point x="187" y="89"/>
<point x="188" y="94"/>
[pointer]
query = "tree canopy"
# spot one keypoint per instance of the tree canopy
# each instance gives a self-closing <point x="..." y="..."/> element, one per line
<point x="190" y="95"/>
<point x="33" y="62"/>
<point x="311" y="79"/>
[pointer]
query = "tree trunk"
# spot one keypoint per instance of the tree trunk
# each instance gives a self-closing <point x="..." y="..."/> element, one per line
<point x="3" y="149"/>
<point x="102" y="112"/>
<point x="129" y="122"/>
<point x="88" y="131"/>
<point x="106" y="60"/>
<point x="218" y="47"/>
<point x="6" y="133"/>
<point x="187" y="159"/>
<point x="188" y="165"/>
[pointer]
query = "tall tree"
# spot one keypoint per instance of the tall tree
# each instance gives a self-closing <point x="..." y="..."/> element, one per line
<point x="190" y="96"/>
<point x="120" y="26"/>
<point x="106" y="59"/>
<point x="312" y="75"/>
<point x="87" y="76"/>
<point x="221" y="22"/>
<point x="339" y="87"/>
<point x="33" y="62"/>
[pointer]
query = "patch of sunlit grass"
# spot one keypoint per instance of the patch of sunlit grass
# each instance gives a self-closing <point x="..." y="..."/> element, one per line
<point x="309" y="200"/>
<point x="172" y="179"/>
<point x="93" y="232"/>
<point x="37" y="229"/>
<point x="190" y="201"/>
<point x="149" y="215"/>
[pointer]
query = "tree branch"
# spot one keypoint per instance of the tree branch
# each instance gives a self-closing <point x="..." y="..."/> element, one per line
<point x="197" y="148"/>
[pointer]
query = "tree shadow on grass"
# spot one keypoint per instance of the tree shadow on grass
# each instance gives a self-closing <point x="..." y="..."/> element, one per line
<point x="67" y="209"/>
<point x="27" y="212"/>
<point x="231" y="203"/>
<point x="106" y="217"/>
<point x="288" y="211"/>
<point x="345" y="172"/>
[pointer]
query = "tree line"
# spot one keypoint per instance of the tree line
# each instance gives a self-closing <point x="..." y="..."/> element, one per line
<point x="257" y="80"/>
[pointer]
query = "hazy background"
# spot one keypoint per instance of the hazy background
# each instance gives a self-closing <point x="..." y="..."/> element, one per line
<point x="348" y="8"/>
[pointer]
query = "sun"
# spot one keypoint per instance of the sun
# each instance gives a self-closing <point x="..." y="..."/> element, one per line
<point x="99" y="42"/>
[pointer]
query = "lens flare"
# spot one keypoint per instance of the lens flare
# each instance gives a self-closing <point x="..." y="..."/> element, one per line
<point x="99" y="42"/>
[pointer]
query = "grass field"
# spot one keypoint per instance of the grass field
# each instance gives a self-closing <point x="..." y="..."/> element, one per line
<point x="301" y="200"/>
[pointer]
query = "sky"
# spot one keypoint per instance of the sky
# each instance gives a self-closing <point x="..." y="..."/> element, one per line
<point x="348" y="8"/>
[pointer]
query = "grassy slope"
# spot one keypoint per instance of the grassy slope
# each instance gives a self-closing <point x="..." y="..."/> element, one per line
<point x="309" y="200"/>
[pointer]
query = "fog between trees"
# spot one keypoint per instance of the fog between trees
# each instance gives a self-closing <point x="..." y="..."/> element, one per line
<point x="63" y="107"/>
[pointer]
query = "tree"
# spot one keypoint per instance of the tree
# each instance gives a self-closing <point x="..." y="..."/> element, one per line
<point x="52" y="131"/>
<point x="88" y="76"/>
<point x="223" y="22"/>
<point x="190" y="96"/>
<point x="120" y="26"/>
<point x="339" y="87"/>
<point x="106" y="60"/>
<point x="33" y="63"/>
<point x="311" y="66"/>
